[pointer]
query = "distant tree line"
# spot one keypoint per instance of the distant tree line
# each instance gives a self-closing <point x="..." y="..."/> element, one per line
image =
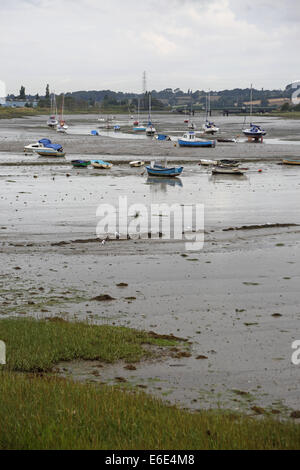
<point x="160" y="100"/>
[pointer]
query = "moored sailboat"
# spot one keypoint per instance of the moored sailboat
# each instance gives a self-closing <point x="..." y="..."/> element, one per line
<point x="150" y="130"/>
<point x="255" y="132"/>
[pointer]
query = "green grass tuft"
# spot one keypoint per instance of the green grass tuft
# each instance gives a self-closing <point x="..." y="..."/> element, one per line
<point x="37" y="345"/>
<point x="51" y="413"/>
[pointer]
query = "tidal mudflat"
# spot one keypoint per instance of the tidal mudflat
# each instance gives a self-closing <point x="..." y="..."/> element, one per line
<point x="236" y="301"/>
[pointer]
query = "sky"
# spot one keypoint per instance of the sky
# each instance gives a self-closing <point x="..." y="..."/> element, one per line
<point x="188" y="44"/>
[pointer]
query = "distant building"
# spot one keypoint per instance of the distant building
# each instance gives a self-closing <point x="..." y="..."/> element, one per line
<point x="18" y="103"/>
<point x="214" y="98"/>
<point x="254" y="103"/>
<point x="183" y="100"/>
<point x="278" y="101"/>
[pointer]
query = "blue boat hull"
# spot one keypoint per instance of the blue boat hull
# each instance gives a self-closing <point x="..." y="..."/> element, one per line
<point x="167" y="172"/>
<point x="208" y="143"/>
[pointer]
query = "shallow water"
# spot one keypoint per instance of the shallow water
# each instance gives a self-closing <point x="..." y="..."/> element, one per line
<point x="222" y="298"/>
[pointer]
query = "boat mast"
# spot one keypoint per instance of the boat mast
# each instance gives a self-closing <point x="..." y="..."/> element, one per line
<point x="149" y="117"/>
<point x="62" y="107"/>
<point x="251" y="97"/>
<point x="54" y="104"/>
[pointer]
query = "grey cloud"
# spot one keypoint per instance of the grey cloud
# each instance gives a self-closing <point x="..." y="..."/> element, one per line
<point x="268" y="13"/>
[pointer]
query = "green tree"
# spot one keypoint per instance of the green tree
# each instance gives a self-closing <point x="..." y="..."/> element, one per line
<point x="22" y="95"/>
<point x="285" y="107"/>
<point x="47" y="95"/>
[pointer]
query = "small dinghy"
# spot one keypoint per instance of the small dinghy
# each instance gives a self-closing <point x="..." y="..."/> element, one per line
<point x="208" y="162"/>
<point x="137" y="163"/>
<point x="80" y="163"/>
<point x="228" y="163"/>
<point x="220" y="170"/>
<point x="189" y="139"/>
<point x="227" y="141"/>
<point x="291" y="162"/>
<point x="101" y="164"/>
<point x="163" y="137"/>
<point x="156" y="169"/>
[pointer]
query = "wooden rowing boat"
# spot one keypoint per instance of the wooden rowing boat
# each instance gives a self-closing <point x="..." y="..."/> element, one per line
<point x="291" y="162"/>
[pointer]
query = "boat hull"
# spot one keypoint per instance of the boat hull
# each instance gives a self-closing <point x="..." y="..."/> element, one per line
<point x="44" y="153"/>
<point x="164" y="172"/>
<point x="139" y="129"/>
<point x="101" y="164"/>
<point x="227" y="171"/>
<point x="137" y="163"/>
<point x="80" y="163"/>
<point x="291" y="162"/>
<point x="208" y="143"/>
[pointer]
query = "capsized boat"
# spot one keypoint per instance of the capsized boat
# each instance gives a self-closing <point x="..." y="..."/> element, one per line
<point x="210" y="127"/>
<point x="155" y="169"/>
<point x="136" y="163"/>
<point x="80" y="163"/>
<point x="101" y="164"/>
<point x="291" y="162"/>
<point x="189" y="139"/>
<point x="227" y="171"/>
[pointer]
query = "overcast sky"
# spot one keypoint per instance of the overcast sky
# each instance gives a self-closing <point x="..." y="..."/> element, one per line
<point x="101" y="44"/>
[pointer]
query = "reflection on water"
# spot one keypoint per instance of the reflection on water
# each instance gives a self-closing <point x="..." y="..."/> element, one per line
<point x="227" y="177"/>
<point x="161" y="184"/>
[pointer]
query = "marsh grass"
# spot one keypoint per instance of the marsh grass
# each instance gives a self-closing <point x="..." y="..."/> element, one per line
<point x="37" y="345"/>
<point x="9" y="113"/>
<point x="51" y="413"/>
<point x="43" y="411"/>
